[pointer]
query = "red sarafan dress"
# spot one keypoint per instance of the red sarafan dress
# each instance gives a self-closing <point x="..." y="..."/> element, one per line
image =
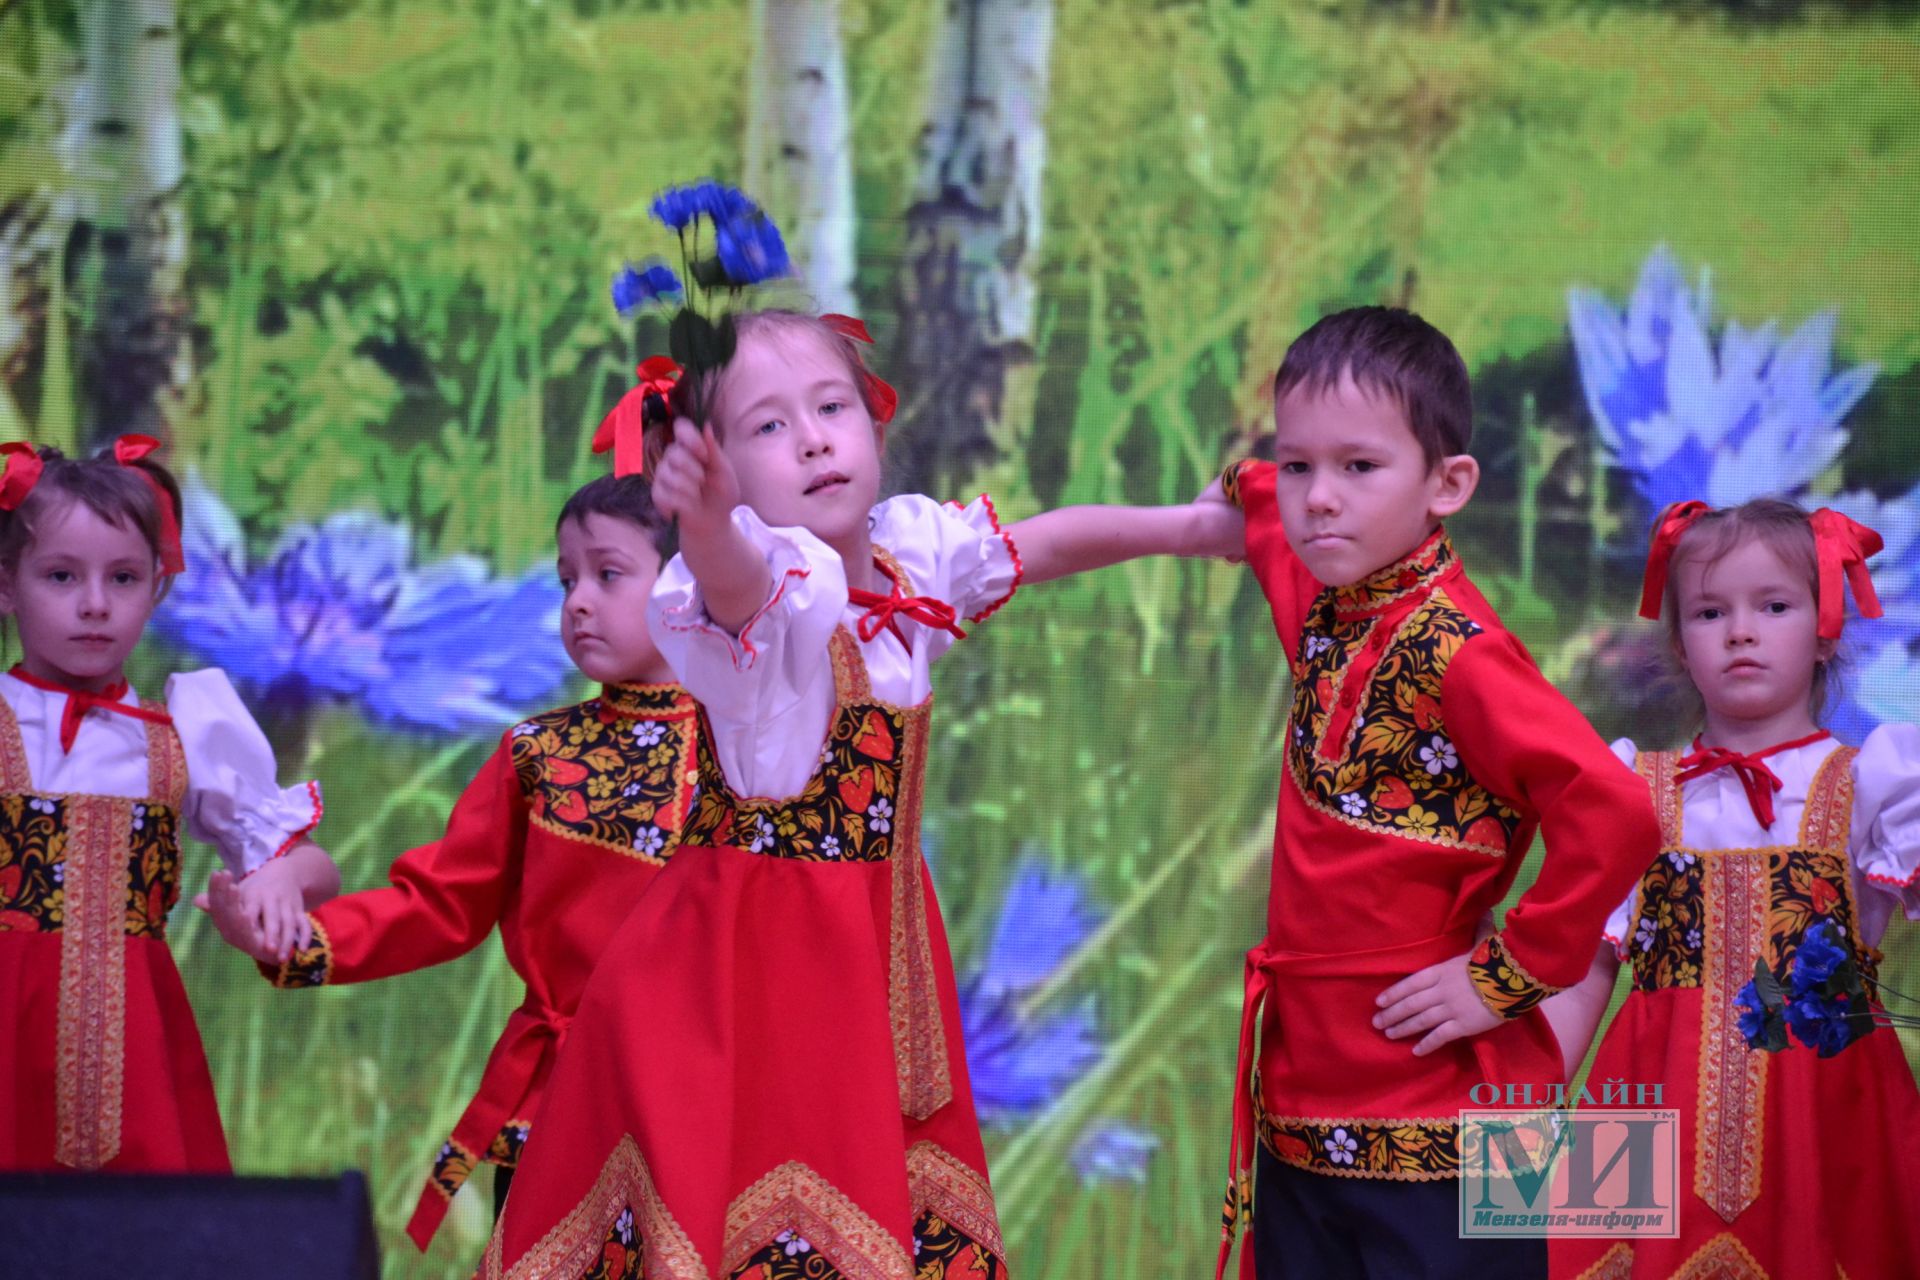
<point x="101" y="1065"/>
<point x="553" y="841"/>
<point x="765" y="1078"/>
<point x="1792" y="1166"/>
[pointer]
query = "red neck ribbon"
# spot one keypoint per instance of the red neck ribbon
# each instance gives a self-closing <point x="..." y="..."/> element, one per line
<point x="882" y="612"/>
<point x="79" y="702"/>
<point x="1759" y="781"/>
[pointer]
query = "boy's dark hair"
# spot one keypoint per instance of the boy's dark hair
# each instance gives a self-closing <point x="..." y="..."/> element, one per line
<point x="628" y="498"/>
<point x="1392" y="353"/>
<point x="116" y="493"/>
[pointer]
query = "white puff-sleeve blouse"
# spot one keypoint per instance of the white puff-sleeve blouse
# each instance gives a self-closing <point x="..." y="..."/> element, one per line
<point x="234" y="800"/>
<point x="768" y="691"/>
<point x="1884" y="842"/>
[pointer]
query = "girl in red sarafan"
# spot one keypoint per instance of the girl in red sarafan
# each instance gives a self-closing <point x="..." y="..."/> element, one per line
<point x="1782" y="846"/>
<point x="766" y="1076"/>
<point x="101" y="1065"/>
<point x="571" y="817"/>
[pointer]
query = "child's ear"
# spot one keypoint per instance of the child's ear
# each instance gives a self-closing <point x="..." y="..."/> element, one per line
<point x="1455" y="477"/>
<point x="1825" y="648"/>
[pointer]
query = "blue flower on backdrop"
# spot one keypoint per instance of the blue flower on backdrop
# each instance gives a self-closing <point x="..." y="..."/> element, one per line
<point x="1021" y="1062"/>
<point x="340" y="612"/>
<point x="1761" y="415"/>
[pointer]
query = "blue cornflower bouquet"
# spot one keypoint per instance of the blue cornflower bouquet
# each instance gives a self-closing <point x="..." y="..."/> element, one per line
<point x="746" y="249"/>
<point x="1824" y="1001"/>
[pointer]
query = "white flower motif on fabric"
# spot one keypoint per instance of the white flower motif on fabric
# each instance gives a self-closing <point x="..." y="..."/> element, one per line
<point x="139" y="817"/>
<point x="1353" y="804"/>
<point x="1438" y="755"/>
<point x="1643" y="934"/>
<point x="762" y="836"/>
<point x="793" y="1244"/>
<point x="1340" y="1147"/>
<point x="40" y="806"/>
<point x="1317" y="645"/>
<point x="881" y="814"/>
<point x="630" y="790"/>
<point x="830" y="847"/>
<point x="1680" y="859"/>
<point x="650" y="841"/>
<point x="649" y="732"/>
<point x="59" y="873"/>
<point x="1694" y="938"/>
<point x="526" y="730"/>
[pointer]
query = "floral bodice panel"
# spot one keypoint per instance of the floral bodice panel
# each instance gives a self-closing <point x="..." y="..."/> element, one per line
<point x="859" y="801"/>
<point x="1374" y="752"/>
<point x="37" y="829"/>
<point x="1677" y="914"/>
<point x="616" y="771"/>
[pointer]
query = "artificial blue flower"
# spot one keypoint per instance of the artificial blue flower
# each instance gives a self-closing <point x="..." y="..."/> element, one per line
<point x="1818" y="958"/>
<point x="750" y="250"/>
<point x="654" y="282"/>
<point x="1113" y="1152"/>
<point x="1759" y="416"/>
<point x="340" y="612"/>
<point x="677" y="207"/>
<point x="1820" y="1022"/>
<point x="1020" y="1062"/>
<point x="1753" y="1015"/>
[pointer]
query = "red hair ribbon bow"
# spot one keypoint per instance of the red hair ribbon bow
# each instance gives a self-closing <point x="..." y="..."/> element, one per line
<point x="625" y="429"/>
<point x="879" y="393"/>
<point x="881" y="611"/>
<point x="22" y="472"/>
<point x="127" y="451"/>
<point x="1842" y="547"/>
<point x="1673" y="525"/>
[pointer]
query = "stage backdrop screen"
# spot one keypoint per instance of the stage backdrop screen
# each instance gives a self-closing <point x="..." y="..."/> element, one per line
<point x="350" y="259"/>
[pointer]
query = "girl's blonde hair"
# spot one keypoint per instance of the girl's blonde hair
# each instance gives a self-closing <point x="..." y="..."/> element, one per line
<point x="1785" y="529"/>
<point x="700" y="393"/>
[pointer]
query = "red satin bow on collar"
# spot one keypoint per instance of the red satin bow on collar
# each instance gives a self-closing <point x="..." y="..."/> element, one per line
<point x="624" y="429"/>
<point x="882" y="610"/>
<point x="1843" y="546"/>
<point x="79" y="702"/>
<point x="1756" y="778"/>
<point x="127" y="451"/>
<point x="23" y="468"/>
<point x="879" y="393"/>
<point x="1674" y="523"/>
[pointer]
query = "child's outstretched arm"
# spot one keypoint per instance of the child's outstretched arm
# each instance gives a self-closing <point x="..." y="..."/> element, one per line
<point x="1072" y="540"/>
<point x="696" y="485"/>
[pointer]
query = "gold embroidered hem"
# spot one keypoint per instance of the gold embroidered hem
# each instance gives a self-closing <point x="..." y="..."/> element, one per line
<point x="574" y="1244"/>
<point x="944" y="1185"/>
<point x="794" y="1198"/>
<point x="1615" y="1264"/>
<point x="308" y="966"/>
<point x="1391" y="1148"/>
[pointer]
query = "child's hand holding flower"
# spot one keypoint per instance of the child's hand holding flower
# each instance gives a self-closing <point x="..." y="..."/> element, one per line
<point x="695" y="481"/>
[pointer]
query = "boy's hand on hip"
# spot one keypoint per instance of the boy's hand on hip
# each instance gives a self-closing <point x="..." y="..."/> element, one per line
<point x="1440" y="1000"/>
<point x="694" y="481"/>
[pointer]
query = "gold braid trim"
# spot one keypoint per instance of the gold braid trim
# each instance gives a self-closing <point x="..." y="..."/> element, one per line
<point x="90" y="1059"/>
<point x="574" y="1243"/>
<point x="1729" y="1136"/>
<point x="957" y="1192"/>
<point x="794" y="1198"/>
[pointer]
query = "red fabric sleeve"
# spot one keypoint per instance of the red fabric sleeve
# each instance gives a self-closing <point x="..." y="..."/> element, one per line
<point x="444" y="900"/>
<point x="1289" y="588"/>
<point x="1520" y="736"/>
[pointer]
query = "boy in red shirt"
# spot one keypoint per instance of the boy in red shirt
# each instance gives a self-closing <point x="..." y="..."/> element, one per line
<point x="1424" y="750"/>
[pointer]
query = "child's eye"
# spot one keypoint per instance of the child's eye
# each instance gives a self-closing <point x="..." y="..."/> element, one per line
<point x="830" y="408"/>
<point x="608" y="575"/>
<point x="769" y="427"/>
<point x="1362" y="466"/>
<point x="1707" y="614"/>
<point x="62" y="576"/>
<point x="1294" y="468"/>
<point x="1775" y="607"/>
<point x="566" y="583"/>
<point x="125" y="578"/>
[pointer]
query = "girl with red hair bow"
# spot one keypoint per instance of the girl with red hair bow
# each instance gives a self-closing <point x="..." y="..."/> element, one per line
<point x="102" y="1066"/>
<point x="1797" y="1162"/>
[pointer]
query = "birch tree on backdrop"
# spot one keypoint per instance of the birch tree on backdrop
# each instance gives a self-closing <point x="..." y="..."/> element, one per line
<point x="967" y="297"/>
<point x="799" y="159"/>
<point x="128" y="246"/>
